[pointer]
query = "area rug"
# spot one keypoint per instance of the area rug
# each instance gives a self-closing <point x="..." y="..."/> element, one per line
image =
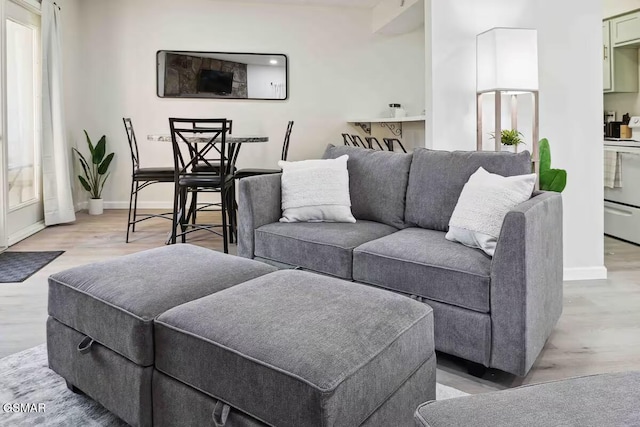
<point x="25" y="378"/>
<point x="17" y="267"/>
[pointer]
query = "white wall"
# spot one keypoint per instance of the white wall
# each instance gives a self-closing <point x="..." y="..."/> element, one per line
<point x="261" y="78"/>
<point x="570" y="73"/>
<point x="338" y="69"/>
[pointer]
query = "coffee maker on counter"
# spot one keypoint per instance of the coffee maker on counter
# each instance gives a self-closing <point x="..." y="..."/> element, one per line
<point x="616" y="129"/>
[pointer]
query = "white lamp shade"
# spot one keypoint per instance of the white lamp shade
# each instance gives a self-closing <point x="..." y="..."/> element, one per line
<point x="507" y="60"/>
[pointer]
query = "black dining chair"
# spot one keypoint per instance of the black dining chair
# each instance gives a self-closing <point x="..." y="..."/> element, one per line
<point x="211" y="165"/>
<point x="390" y="143"/>
<point x="142" y="178"/>
<point x="216" y="178"/>
<point x="243" y="173"/>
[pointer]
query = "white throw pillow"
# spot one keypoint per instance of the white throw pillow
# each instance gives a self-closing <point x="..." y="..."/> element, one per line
<point x="316" y="191"/>
<point x="484" y="202"/>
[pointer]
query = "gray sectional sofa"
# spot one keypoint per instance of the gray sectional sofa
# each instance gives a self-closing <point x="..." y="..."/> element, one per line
<point x="497" y="312"/>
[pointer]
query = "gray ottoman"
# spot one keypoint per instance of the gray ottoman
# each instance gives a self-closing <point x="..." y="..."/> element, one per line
<point x="597" y="400"/>
<point x="100" y="329"/>
<point x="294" y="349"/>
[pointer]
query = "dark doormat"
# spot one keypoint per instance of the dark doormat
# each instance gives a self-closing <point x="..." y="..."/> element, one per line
<point x="19" y="266"/>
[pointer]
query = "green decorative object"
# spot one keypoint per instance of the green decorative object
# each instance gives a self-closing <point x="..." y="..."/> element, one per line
<point x="550" y="179"/>
<point x="96" y="171"/>
<point x="509" y="137"/>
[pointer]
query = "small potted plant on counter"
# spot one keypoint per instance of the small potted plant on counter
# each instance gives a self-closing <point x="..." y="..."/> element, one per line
<point x="95" y="173"/>
<point x="510" y="139"/>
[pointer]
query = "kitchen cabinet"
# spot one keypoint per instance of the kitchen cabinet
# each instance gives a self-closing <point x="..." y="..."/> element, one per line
<point x="625" y="30"/>
<point x="606" y="56"/>
<point x="620" y="64"/>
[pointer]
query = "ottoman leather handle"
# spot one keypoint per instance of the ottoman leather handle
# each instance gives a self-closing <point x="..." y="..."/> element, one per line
<point x="220" y="414"/>
<point x="85" y="345"/>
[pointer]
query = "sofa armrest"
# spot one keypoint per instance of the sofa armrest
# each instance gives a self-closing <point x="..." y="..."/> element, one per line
<point x="258" y="205"/>
<point x="526" y="282"/>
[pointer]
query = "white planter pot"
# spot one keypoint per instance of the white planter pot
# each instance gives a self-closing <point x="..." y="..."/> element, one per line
<point x="96" y="206"/>
<point x="509" y="148"/>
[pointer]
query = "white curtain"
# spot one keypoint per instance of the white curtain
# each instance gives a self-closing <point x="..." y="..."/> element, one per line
<point x="56" y="162"/>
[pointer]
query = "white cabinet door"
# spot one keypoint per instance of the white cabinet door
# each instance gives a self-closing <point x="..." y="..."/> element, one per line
<point x="606" y="56"/>
<point x="625" y="29"/>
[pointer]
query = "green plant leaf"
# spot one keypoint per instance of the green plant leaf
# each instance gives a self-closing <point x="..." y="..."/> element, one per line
<point x="102" y="169"/>
<point x="553" y="180"/>
<point x="98" y="153"/>
<point x="83" y="163"/>
<point x="84" y="183"/>
<point x="104" y="180"/>
<point x="509" y="137"/>
<point x="545" y="156"/>
<point x="91" y="149"/>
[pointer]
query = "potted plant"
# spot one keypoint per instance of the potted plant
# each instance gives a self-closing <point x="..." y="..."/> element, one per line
<point x="510" y="138"/>
<point x="95" y="172"/>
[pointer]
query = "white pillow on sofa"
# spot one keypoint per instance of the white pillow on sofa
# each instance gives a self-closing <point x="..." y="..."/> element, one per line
<point x="482" y="206"/>
<point x="316" y="191"/>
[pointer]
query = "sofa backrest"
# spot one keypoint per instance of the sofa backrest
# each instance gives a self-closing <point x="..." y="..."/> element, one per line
<point x="437" y="177"/>
<point x="377" y="183"/>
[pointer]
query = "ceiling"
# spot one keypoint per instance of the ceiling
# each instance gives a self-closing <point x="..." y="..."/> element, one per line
<point x="342" y="3"/>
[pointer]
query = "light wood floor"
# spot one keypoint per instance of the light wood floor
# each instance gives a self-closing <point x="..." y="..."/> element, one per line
<point x="598" y="332"/>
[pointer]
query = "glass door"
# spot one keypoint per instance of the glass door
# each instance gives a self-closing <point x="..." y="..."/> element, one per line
<point x="22" y="165"/>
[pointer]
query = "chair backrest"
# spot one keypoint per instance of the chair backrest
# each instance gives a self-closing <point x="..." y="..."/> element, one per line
<point x="285" y="144"/>
<point x="370" y="140"/>
<point x="390" y="142"/>
<point x="201" y="137"/>
<point x="357" y="141"/>
<point x="346" y="138"/>
<point x="133" y="143"/>
<point x="229" y="126"/>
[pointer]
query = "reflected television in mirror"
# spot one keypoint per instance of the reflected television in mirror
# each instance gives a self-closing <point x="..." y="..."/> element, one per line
<point x="221" y="75"/>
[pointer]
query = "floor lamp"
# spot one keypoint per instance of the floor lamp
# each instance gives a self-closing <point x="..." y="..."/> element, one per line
<point x="507" y="64"/>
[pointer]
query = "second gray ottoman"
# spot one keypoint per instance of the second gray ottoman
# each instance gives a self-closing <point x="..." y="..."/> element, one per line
<point x="297" y="349"/>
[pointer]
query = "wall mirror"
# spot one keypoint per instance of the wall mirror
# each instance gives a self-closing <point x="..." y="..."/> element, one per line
<point x="222" y="75"/>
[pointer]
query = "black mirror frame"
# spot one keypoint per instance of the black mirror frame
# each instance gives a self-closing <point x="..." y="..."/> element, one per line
<point x="286" y="67"/>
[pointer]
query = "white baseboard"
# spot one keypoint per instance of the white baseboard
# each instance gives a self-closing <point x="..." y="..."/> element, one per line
<point x="585" y="273"/>
<point x="125" y="205"/>
<point x="26" y="232"/>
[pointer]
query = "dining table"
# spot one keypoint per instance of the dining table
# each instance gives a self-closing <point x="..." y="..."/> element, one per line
<point x="230" y="139"/>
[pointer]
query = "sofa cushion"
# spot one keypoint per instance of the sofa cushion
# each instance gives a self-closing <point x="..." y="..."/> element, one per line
<point x="422" y="262"/>
<point x="298" y="349"/>
<point x="437" y="178"/>
<point x="377" y="183"/>
<point x="322" y="247"/>
<point x="114" y="302"/>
